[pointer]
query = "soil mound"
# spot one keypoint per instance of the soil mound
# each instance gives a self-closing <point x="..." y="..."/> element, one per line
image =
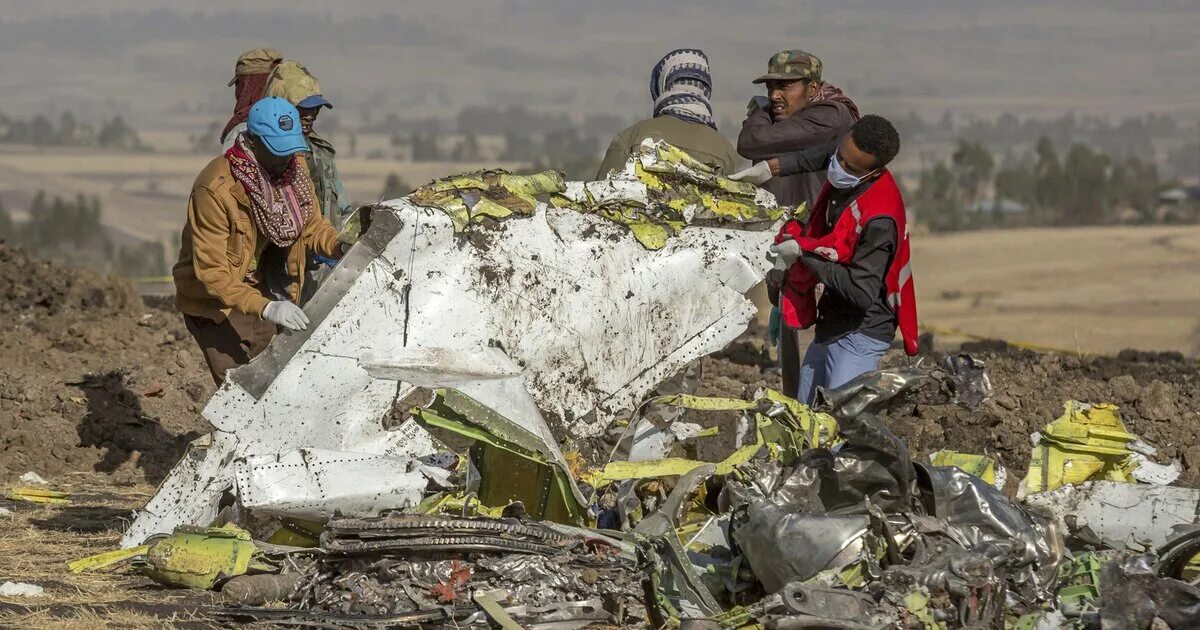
<point x="93" y="378"/>
<point x="1158" y="395"/>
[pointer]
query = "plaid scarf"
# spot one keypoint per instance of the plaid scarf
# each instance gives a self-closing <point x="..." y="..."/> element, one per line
<point x="681" y="85"/>
<point x="280" y="209"/>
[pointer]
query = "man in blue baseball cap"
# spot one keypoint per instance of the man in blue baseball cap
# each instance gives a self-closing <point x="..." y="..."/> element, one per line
<point x="253" y="222"/>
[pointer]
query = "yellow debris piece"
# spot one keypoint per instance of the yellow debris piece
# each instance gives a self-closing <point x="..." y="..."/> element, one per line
<point x="784" y="434"/>
<point x="495" y="194"/>
<point x="1088" y="443"/>
<point x="39" y="495"/>
<point x="980" y="466"/>
<point x="199" y="557"/>
<point x="106" y="559"/>
<point x="660" y="192"/>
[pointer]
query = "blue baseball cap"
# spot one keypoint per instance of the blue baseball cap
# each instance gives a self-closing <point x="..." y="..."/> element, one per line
<point x="277" y="123"/>
<point x="316" y="100"/>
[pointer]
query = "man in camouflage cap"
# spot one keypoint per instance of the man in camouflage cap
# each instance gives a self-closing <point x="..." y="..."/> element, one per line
<point x="251" y="73"/>
<point x="800" y="110"/>
<point x="292" y="81"/>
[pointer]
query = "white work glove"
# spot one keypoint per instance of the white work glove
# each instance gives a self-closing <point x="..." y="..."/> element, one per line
<point x="757" y="174"/>
<point x="786" y="253"/>
<point x="286" y="314"/>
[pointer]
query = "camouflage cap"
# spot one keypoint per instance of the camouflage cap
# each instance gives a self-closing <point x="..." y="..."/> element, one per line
<point x="790" y="65"/>
<point x="292" y="81"/>
<point x="257" y="61"/>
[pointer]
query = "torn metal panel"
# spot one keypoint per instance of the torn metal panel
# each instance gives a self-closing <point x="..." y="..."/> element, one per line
<point x="313" y="484"/>
<point x="592" y="318"/>
<point x="1120" y="515"/>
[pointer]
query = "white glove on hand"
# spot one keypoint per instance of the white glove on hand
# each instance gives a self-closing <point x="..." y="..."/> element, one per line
<point x="286" y="314"/>
<point x="786" y="253"/>
<point x="757" y="174"/>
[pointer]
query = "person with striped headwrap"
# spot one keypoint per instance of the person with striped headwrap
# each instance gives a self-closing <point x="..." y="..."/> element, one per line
<point x="680" y="88"/>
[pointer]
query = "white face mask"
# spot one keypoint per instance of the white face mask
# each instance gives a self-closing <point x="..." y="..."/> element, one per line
<point x="839" y="178"/>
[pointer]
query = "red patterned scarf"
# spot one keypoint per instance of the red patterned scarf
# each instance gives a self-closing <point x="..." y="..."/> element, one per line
<point x="281" y="208"/>
<point x="830" y="93"/>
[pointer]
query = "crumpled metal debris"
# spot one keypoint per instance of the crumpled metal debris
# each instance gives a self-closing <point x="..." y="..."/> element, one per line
<point x="201" y="557"/>
<point x="1133" y="596"/>
<point x="870" y="391"/>
<point x="968" y="379"/>
<point x="535" y="573"/>
<point x="1088" y="442"/>
<point x="866" y="505"/>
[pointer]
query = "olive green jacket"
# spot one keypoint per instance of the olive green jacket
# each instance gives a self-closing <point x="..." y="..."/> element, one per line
<point x="697" y="140"/>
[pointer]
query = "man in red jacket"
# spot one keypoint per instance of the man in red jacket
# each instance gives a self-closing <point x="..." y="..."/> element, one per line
<point x="855" y="243"/>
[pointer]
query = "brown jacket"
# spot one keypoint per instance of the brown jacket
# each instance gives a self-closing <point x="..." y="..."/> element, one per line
<point x="697" y="140"/>
<point x="762" y="139"/>
<point x="219" y="244"/>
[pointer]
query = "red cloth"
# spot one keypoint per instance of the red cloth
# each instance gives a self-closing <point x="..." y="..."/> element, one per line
<point x="247" y="90"/>
<point x="798" y="299"/>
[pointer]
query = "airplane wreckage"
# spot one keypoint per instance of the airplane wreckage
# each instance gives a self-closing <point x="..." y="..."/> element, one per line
<point x="402" y="461"/>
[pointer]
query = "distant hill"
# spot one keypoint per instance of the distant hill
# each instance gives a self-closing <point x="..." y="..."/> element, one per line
<point x="157" y="63"/>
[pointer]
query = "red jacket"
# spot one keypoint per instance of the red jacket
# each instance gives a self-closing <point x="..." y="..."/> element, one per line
<point x="798" y="302"/>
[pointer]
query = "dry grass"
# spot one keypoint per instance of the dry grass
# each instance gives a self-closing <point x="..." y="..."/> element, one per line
<point x="37" y="541"/>
<point x="1094" y="290"/>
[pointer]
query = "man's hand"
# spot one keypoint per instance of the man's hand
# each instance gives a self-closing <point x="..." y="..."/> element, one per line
<point x="758" y="174"/>
<point x="756" y="103"/>
<point x="786" y="253"/>
<point x="286" y="314"/>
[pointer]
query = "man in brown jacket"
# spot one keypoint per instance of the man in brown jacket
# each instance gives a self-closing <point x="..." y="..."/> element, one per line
<point x="253" y="219"/>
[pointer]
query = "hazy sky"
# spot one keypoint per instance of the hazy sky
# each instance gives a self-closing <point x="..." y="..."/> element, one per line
<point x="419" y="58"/>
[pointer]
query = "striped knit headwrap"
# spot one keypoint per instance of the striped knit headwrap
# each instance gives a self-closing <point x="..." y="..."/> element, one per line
<point x="680" y="86"/>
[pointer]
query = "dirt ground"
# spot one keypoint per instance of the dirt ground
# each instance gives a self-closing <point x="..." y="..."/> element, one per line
<point x="93" y="379"/>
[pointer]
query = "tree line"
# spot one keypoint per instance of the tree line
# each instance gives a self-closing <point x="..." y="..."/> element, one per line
<point x="1083" y="186"/>
<point x="113" y="133"/>
<point x="70" y="231"/>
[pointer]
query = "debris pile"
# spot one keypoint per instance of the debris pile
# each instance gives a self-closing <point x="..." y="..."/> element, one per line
<point x="92" y="377"/>
<point x="520" y="318"/>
